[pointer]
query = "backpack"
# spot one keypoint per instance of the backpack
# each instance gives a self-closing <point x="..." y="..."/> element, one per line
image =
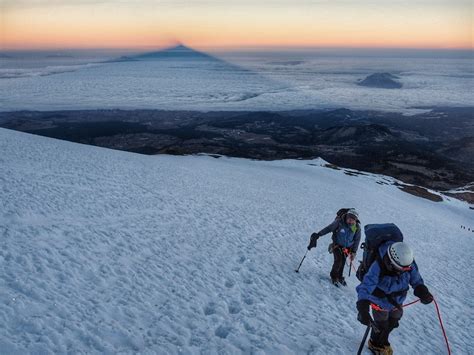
<point x="342" y="212"/>
<point x="376" y="235"/>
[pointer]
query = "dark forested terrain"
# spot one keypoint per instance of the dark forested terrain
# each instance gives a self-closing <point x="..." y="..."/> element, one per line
<point x="433" y="149"/>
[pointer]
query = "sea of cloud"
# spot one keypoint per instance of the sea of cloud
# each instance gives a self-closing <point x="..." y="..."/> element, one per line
<point x="262" y="81"/>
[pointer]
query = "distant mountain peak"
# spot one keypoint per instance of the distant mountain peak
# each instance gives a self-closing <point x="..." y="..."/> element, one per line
<point x="179" y="51"/>
<point x="381" y="80"/>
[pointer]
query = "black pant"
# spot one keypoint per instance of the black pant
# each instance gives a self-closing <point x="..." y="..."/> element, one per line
<point x="339" y="262"/>
<point x="385" y="321"/>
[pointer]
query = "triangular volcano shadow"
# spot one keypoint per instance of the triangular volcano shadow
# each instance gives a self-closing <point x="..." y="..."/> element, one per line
<point x="186" y="58"/>
<point x="180" y="53"/>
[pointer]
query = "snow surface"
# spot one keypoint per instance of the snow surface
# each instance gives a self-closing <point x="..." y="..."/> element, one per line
<point x="110" y="252"/>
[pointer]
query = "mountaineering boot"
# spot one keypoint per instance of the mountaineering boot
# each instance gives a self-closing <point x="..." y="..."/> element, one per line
<point x="342" y="281"/>
<point x="377" y="349"/>
<point x="388" y="350"/>
<point x="334" y="281"/>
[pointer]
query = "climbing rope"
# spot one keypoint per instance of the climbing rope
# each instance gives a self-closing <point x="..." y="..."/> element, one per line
<point x="440" y="321"/>
<point x="348" y="255"/>
<point x="442" y="326"/>
<point x="439" y="318"/>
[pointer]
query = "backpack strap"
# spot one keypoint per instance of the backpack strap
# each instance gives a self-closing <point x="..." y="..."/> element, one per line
<point x="339" y="219"/>
<point x="390" y="296"/>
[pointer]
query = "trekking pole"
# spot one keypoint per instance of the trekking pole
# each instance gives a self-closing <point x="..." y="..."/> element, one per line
<point x="350" y="265"/>
<point x="366" y="334"/>
<point x="298" y="269"/>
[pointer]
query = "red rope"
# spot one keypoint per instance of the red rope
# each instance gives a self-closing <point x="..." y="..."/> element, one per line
<point x="353" y="267"/>
<point x="442" y="326"/>
<point x="376" y="307"/>
<point x="413" y="302"/>
<point x="440" y="321"/>
<point x="346" y="251"/>
<point x="409" y="304"/>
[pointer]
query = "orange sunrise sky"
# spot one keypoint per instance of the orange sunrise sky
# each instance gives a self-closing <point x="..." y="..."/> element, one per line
<point x="53" y="24"/>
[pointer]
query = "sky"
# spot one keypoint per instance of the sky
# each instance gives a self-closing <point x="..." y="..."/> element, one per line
<point x="214" y="24"/>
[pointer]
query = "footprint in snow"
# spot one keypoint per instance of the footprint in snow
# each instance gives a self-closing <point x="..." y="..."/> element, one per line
<point x="234" y="307"/>
<point x="247" y="300"/>
<point x="210" y="309"/>
<point x="229" y="283"/>
<point x="252" y="267"/>
<point x="248" y="280"/>
<point x="222" y="331"/>
<point x="249" y="328"/>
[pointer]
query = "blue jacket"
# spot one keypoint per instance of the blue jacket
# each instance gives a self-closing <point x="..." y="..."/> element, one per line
<point x="343" y="235"/>
<point x="388" y="284"/>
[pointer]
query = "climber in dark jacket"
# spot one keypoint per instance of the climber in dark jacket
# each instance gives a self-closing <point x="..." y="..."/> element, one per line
<point x="384" y="289"/>
<point x="345" y="242"/>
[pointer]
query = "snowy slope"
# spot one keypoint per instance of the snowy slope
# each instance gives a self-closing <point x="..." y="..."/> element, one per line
<point x="111" y="252"/>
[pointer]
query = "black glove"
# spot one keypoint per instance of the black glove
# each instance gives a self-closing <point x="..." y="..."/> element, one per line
<point x="313" y="241"/>
<point x="421" y="291"/>
<point x="364" y="315"/>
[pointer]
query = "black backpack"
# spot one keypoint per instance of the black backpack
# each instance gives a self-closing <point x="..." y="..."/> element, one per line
<point x="342" y="212"/>
<point x="376" y="235"/>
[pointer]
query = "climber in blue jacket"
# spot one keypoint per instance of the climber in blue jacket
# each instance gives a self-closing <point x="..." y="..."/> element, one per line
<point x="384" y="289"/>
<point x="345" y="231"/>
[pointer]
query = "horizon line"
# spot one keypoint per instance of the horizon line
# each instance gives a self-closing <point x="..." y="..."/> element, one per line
<point x="256" y="48"/>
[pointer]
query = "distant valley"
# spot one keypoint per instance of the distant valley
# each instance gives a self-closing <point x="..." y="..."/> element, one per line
<point x="433" y="149"/>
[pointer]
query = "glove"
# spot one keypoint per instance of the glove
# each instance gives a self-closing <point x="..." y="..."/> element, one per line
<point x="330" y="248"/>
<point x="313" y="241"/>
<point x="421" y="291"/>
<point x="363" y="308"/>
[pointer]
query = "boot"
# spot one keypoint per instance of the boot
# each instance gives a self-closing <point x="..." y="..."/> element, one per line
<point x="342" y="281"/>
<point x="377" y="349"/>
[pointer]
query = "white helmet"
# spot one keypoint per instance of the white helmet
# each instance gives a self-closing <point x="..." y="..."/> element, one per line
<point x="352" y="213"/>
<point x="400" y="255"/>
